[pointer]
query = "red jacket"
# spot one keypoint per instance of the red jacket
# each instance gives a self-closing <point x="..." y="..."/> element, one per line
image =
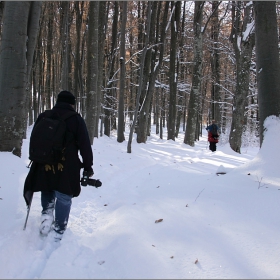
<point x="211" y="138"/>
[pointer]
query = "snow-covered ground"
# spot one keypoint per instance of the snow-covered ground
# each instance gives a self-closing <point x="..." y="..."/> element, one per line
<point x="213" y="226"/>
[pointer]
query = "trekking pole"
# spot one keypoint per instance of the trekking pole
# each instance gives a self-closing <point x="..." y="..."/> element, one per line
<point x="28" y="210"/>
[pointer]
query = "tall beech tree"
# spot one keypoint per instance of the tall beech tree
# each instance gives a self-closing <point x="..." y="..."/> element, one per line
<point x="16" y="54"/>
<point x="268" y="66"/>
<point x="121" y="137"/>
<point x="92" y="68"/>
<point x="153" y="63"/>
<point x="110" y="82"/>
<point x="141" y="83"/>
<point x="158" y="65"/>
<point x="215" y="64"/>
<point x="243" y="40"/>
<point x="194" y="102"/>
<point x="173" y="75"/>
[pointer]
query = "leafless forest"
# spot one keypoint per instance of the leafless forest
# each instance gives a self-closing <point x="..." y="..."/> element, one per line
<point x="133" y="64"/>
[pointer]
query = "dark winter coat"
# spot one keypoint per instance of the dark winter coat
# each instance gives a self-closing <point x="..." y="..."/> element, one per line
<point x="66" y="181"/>
<point x="213" y="133"/>
<point x="213" y="127"/>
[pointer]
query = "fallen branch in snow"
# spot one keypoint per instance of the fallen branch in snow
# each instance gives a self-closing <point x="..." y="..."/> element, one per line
<point x="260" y="182"/>
<point x="199" y="195"/>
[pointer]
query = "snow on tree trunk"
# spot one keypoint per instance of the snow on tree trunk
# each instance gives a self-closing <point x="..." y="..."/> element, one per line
<point x="243" y="42"/>
<point x="142" y="63"/>
<point x="267" y="54"/>
<point x="151" y="71"/>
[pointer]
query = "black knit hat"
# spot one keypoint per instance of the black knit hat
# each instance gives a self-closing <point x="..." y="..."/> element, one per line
<point x="67" y="97"/>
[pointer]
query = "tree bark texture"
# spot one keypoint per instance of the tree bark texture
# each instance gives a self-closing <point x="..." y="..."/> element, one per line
<point x="92" y="62"/>
<point x="121" y="137"/>
<point x="151" y="70"/>
<point x="77" y="83"/>
<point x="215" y="65"/>
<point x="173" y="75"/>
<point x="243" y="47"/>
<point x="194" y="102"/>
<point x="143" y="57"/>
<point x="108" y="103"/>
<point x="32" y="33"/>
<point x="102" y="29"/>
<point x="267" y="55"/>
<point x="65" y="46"/>
<point x="13" y="76"/>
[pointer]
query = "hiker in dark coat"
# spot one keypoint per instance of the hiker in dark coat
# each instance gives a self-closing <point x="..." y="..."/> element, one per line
<point x="213" y="136"/>
<point x="59" y="186"/>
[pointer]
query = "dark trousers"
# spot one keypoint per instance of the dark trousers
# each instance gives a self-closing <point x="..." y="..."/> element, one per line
<point x="212" y="146"/>
<point x="61" y="203"/>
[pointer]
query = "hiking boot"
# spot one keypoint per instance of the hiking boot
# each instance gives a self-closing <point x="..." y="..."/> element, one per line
<point x="55" y="236"/>
<point x="46" y="224"/>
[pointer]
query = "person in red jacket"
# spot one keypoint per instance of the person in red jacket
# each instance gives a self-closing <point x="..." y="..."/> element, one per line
<point x="213" y="136"/>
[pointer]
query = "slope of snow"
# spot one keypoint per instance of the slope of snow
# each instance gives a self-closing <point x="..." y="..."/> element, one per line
<point x="212" y="226"/>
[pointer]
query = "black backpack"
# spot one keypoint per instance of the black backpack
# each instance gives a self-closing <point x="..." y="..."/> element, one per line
<point x="214" y="131"/>
<point x="49" y="138"/>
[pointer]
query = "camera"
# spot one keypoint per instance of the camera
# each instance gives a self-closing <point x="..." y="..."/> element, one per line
<point x="85" y="181"/>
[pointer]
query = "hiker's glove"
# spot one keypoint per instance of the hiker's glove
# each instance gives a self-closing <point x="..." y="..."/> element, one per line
<point x="88" y="172"/>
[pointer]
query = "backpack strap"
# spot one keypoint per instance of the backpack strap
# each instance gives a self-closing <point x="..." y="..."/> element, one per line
<point x="52" y="113"/>
<point x="68" y="115"/>
<point x="69" y="136"/>
<point x="49" y="113"/>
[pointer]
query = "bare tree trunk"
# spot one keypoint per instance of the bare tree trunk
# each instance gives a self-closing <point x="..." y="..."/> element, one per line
<point x="13" y="76"/>
<point x="81" y="76"/>
<point x="243" y="47"/>
<point x="151" y="70"/>
<point x="77" y="83"/>
<point x="194" y="102"/>
<point x="268" y="66"/>
<point x="65" y="49"/>
<point x="49" y="55"/>
<point x="121" y="137"/>
<point x="92" y="62"/>
<point x="146" y="40"/>
<point x="215" y="65"/>
<point x="144" y="105"/>
<point x="157" y="111"/>
<point x="108" y="118"/>
<point x="181" y="73"/>
<point x="1" y="17"/>
<point x="102" y="29"/>
<point x="173" y="75"/>
<point x="32" y="33"/>
<point x="40" y="70"/>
